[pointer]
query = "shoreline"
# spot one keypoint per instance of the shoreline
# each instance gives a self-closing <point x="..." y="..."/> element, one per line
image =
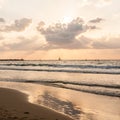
<point x="14" y="105"/>
<point x="66" y="104"/>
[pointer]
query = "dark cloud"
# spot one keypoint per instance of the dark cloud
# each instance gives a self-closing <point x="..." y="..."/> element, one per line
<point x="97" y="20"/>
<point x="18" y="25"/>
<point x="64" y="34"/>
<point x="2" y="20"/>
<point x="80" y="43"/>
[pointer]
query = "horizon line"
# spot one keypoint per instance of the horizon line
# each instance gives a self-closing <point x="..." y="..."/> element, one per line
<point x="21" y="59"/>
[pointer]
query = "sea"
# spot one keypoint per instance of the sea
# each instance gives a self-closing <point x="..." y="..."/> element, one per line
<point x="97" y="77"/>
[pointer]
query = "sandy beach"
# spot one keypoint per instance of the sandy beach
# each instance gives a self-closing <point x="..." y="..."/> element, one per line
<point x="78" y="105"/>
<point x="14" y="106"/>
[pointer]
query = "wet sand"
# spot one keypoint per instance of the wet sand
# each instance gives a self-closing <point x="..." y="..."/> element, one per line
<point x="14" y="105"/>
<point x="78" y="105"/>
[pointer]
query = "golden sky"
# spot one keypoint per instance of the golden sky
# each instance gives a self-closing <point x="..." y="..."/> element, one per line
<point x="70" y="29"/>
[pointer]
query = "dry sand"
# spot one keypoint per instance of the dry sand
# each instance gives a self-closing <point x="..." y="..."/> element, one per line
<point x="15" y="106"/>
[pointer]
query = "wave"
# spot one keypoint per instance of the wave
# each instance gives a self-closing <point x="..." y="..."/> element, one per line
<point x="101" y="89"/>
<point x="64" y="66"/>
<point x="96" y="71"/>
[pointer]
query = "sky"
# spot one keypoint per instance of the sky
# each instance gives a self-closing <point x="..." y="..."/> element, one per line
<point x="70" y="29"/>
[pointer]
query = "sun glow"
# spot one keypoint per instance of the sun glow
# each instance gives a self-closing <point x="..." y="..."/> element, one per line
<point x="67" y="19"/>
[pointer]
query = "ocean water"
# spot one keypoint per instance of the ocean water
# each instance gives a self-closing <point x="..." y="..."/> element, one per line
<point x="84" y="89"/>
<point x="93" y="76"/>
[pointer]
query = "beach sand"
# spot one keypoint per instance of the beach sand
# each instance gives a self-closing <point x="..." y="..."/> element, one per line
<point x="14" y="105"/>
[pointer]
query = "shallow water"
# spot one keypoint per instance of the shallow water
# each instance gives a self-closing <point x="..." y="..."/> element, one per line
<point x="78" y="105"/>
<point x="103" y="84"/>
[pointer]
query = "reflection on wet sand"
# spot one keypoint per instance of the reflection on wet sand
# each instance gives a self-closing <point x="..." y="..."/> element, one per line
<point x="65" y="107"/>
<point x="79" y="105"/>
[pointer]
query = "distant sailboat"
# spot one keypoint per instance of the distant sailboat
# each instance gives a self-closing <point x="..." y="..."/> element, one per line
<point x="59" y="59"/>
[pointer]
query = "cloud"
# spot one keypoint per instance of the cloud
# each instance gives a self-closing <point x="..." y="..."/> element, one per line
<point x="57" y="36"/>
<point x="18" y="25"/>
<point x="33" y="44"/>
<point x="2" y="20"/>
<point x="70" y="36"/>
<point x="1" y="38"/>
<point x="21" y="43"/>
<point x="97" y="20"/>
<point x="64" y="34"/>
<point x="107" y="43"/>
<point x="112" y="42"/>
<point x="81" y="43"/>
